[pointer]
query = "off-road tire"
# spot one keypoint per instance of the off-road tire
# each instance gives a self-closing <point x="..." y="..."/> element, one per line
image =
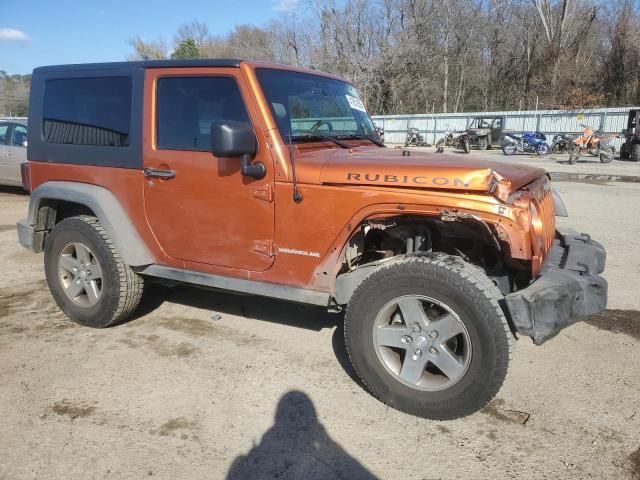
<point x="634" y="156"/>
<point x="555" y="148"/>
<point x="121" y="287"/>
<point x="574" y="155"/>
<point x="471" y="295"/>
<point x="608" y="156"/>
<point x="482" y="144"/>
<point x="624" y="150"/>
<point x="466" y="146"/>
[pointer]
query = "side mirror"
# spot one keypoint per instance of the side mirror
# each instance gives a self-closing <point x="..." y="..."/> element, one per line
<point x="237" y="139"/>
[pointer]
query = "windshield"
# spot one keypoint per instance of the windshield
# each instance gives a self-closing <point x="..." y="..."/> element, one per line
<point x="307" y="106"/>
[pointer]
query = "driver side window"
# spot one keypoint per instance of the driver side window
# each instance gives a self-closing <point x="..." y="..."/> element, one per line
<point x="19" y="136"/>
<point x="188" y="106"/>
<point x="3" y="133"/>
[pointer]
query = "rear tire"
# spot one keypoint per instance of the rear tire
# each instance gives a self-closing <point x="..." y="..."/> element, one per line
<point x="86" y="275"/>
<point x="466" y="146"/>
<point x="450" y="310"/>
<point x="542" y="149"/>
<point x="606" y="154"/>
<point x="635" y="152"/>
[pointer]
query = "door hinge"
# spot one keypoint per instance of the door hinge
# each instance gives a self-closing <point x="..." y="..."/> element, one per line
<point x="264" y="247"/>
<point x="263" y="192"/>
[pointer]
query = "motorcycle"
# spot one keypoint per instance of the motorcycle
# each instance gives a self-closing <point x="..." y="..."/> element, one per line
<point x="531" y="142"/>
<point x="595" y="143"/>
<point x="414" y="138"/>
<point x="458" y="140"/>
<point x="562" y="143"/>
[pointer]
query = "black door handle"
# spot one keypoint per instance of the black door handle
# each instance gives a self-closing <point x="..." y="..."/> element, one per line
<point x="159" y="173"/>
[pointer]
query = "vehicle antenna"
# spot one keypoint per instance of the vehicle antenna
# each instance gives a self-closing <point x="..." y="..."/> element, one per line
<point x="297" y="195"/>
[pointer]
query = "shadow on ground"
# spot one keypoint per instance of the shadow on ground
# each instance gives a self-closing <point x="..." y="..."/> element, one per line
<point x="13" y="190"/>
<point x="626" y="322"/>
<point x="248" y="306"/>
<point x="297" y="446"/>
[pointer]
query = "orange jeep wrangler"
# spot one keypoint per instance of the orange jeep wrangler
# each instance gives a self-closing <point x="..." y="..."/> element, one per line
<point x="271" y="180"/>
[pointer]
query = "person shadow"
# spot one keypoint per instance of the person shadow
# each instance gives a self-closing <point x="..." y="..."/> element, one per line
<point x="297" y="446"/>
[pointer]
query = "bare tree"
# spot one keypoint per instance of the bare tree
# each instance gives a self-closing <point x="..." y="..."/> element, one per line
<point x="409" y="56"/>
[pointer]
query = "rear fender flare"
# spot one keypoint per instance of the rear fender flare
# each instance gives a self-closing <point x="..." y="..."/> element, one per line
<point x="107" y="209"/>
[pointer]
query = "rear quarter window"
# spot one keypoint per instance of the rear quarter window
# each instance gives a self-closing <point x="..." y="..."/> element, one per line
<point x="87" y="111"/>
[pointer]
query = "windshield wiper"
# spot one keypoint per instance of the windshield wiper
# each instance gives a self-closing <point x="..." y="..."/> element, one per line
<point x="372" y="138"/>
<point x="321" y="136"/>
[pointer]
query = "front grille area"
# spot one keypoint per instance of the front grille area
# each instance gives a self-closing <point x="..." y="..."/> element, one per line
<point x="543" y="200"/>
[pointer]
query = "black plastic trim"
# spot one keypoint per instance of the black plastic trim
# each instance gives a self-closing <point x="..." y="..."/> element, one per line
<point x="39" y="150"/>
<point x="568" y="290"/>
<point x="84" y="67"/>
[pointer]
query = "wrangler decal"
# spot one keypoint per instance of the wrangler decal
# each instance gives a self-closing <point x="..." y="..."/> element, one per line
<point x="407" y="180"/>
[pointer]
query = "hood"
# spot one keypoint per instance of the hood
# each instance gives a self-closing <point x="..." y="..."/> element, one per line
<point x="387" y="167"/>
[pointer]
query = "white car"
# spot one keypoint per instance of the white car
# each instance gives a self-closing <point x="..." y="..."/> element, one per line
<point x="13" y="150"/>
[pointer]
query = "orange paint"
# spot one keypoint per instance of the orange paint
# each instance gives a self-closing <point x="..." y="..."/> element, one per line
<point x="212" y="219"/>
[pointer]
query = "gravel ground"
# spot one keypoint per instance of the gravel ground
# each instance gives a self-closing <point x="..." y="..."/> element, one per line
<point x="212" y="385"/>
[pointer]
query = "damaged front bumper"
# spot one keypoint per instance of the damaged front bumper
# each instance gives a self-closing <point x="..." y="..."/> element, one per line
<point x="568" y="289"/>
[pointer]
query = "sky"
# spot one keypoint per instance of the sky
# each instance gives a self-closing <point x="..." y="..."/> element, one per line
<point x="47" y="32"/>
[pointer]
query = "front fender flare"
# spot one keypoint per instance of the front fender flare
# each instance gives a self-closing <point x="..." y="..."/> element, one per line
<point x="106" y="207"/>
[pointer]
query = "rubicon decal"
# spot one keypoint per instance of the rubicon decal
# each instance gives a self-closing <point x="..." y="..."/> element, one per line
<point x="407" y="179"/>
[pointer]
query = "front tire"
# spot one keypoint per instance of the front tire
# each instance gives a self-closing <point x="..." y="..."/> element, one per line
<point x="427" y="336"/>
<point x="634" y="156"/>
<point x="482" y="144"/>
<point x="86" y="275"/>
<point x="542" y="149"/>
<point x="466" y="146"/>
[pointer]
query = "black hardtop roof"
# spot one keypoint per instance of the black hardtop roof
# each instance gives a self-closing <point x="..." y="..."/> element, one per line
<point x="217" y="62"/>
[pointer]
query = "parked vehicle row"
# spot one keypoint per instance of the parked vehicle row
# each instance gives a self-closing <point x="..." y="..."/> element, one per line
<point x="487" y="132"/>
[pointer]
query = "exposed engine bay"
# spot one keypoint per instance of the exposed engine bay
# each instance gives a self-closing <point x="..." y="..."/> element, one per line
<point x="467" y="237"/>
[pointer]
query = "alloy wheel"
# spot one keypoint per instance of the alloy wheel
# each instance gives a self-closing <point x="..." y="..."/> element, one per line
<point x="422" y="343"/>
<point x="80" y="274"/>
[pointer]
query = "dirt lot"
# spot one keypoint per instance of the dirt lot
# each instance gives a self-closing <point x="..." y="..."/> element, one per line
<point x="209" y="385"/>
